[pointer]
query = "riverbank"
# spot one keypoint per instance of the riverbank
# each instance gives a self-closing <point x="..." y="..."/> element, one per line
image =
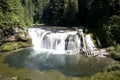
<point x="11" y="46"/>
<point x="11" y="42"/>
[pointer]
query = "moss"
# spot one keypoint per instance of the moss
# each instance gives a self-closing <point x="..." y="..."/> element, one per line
<point x="113" y="75"/>
<point x="114" y="67"/>
<point x="111" y="48"/>
<point x="23" y="44"/>
<point x="114" y="52"/>
<point x="10" y="46"/>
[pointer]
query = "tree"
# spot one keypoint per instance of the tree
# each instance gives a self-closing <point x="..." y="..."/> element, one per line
<point x="61" y="12"/>
<point x="71" y="13"/>
<point x="53" y="12"/>
<point x="39" y="6"/>
<point x="93" y="13"/>
<point x="112" y="29"/>
<point x="28" y="11"/>
<point x="11" y="16"/>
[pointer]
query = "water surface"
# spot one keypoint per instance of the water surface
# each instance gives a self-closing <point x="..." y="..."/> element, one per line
<point x="61" y="65"/>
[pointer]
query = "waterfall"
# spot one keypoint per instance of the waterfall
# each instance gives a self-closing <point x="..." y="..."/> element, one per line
<point x="89" y="42"/>
<point x="60" y="41"/>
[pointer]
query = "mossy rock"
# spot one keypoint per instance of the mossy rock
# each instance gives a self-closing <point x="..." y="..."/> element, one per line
<point x="10" y="46"/>
<point x="23" y="44"/>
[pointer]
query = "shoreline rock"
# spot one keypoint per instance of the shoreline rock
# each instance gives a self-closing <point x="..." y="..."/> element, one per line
<point x="19" y="40"/>
<point x="9" y="46"/>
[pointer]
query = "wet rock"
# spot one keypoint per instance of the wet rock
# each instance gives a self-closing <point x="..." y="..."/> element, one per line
<point x="22" y="35"/>
<point x="18" y="35"/>
<point x="12" y="38"/>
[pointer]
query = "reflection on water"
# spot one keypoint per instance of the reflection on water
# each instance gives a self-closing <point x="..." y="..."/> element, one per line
<point x="68" y="65"/>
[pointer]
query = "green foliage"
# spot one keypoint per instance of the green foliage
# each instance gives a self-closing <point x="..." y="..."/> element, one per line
<point x="71" y="13"/>
<point x="112" y="29"/>
<point x="101" y="15"/>
<point x="39" y="6"/>
<point x="114" y="67"/>
<point x="9" y="47"/>
<point x="53" y="12"/>
<point x="94" y="13"/>
<point x="61" y="12"/>
<point x="10" y="14"/>
<point x="114" y="52"/>
<point x="1" y="16"/>
<point x="109" y="32"/>
<point x="115" y="55"/>
<point x="111" y="72"/>
<point x="28" y="11"/>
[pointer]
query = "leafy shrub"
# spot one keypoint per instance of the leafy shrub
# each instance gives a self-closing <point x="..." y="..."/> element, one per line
<point x="114" y="52"/>
<point x="112" y="30"/>
<point x="114" y="67"/>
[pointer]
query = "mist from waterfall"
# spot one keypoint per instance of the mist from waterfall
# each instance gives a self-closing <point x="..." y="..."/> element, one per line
<point x="60" y="41"/>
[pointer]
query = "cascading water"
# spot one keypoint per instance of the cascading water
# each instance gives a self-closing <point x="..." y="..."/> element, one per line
<point x="60" y="41"/>
<point x="89" y="42"/>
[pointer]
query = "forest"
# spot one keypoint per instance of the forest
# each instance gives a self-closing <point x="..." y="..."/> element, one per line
<point x="102" y="17"/>
<point x="99" y="18"/>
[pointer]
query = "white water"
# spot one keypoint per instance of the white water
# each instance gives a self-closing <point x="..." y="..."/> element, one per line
<point x="89" y="42"/>
<point x="60" y="42"/>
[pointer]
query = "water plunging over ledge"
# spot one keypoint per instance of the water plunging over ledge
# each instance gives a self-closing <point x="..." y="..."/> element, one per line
<point x="60" y="40"/>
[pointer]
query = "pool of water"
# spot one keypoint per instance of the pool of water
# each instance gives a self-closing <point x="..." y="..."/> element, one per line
<point x="56" y="64"/>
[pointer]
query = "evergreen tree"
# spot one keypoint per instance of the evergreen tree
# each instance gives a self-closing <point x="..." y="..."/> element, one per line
<point x="28" y="11"/>
<point x="61" y="12"/>
<point x="71" y="13"/>
<point x="39" y="6"/>
<point x="53" y="12"/>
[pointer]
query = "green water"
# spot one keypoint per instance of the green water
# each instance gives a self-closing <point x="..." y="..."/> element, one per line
<point x="45" y="66"/>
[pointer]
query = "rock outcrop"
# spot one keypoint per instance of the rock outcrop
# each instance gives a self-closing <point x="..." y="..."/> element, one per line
<point x="19" y="39"/>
